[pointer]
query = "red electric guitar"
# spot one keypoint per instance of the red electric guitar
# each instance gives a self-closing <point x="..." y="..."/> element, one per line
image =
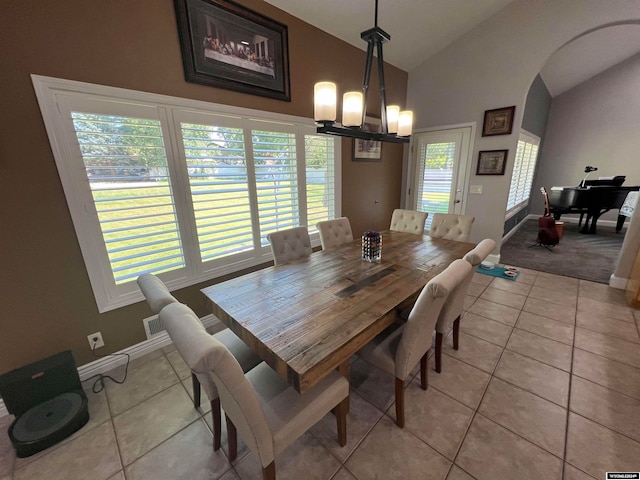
<point x="547" y="232"/>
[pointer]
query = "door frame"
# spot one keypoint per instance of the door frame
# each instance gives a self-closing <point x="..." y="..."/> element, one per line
<point x="466" y="161"/>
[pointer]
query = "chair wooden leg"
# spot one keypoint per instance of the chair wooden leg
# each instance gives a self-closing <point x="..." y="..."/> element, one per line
<point x="456" y="332"/>
<point x="400" y="402"/>
<point x="424" y="381"/>
<point x="340" y="412"/>
<point x="196" y="390"/>
<point x="269" y="472"/>
<point x="217" y="423"/>
<point x="232" y="440"/>
<point x="438" y="353"/>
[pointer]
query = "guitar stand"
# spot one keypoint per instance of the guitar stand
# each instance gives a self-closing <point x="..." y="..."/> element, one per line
<point x="548" y="247"/>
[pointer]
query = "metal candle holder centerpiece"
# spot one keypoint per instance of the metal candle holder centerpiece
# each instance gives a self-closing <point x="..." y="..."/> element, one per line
<point x="371" y="246"/>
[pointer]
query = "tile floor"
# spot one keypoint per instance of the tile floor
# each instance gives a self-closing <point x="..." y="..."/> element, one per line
<point x="546" y="384"/>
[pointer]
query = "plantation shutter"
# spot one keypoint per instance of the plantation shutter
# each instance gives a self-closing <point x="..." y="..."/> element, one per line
<point x="320" y="174"/>
<point x="523" y="171"/>
<point x="126" y="166"/>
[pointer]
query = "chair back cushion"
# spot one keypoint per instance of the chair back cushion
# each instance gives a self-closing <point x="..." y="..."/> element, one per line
<point x="209" y="358"/>
<point x="289" y="245"/>
<point x="418" y="331"/>
<point x="454" y="303"/>
<point x="410" y="221"/>
<point x="155" y="292"/>
<point x="480" y="252"/>
<point x="451" y="226"/>
<point x="334" y="233"/>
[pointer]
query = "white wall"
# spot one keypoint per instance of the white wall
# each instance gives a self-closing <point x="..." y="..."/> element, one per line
<point x="493" y="66"/>
<point x="597" y="123"/>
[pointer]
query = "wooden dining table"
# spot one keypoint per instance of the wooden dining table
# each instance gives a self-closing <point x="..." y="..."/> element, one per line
<point x="308" y="317"/>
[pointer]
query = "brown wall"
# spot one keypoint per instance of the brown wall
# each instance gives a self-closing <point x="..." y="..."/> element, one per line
<point x="47" y="301"/>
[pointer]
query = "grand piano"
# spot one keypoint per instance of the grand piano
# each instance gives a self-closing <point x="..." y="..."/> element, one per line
<point x="593" y="199"/>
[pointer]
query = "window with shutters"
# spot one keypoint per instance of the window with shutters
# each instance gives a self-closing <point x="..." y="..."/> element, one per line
<point x="523" y="172"/>
<point x="184" y="189"/>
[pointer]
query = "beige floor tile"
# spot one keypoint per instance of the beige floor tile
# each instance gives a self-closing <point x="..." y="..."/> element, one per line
<point x="243" y="449"/>
<point x="474" y="351"/>
<point x="361" y="419"/>
<point x="516" y="287"/>
<point x="374" y="385"/>
<point x="609" y="347"/>
<point x="460" y="381"/>
<point x="481" y="279"/>
<point x="486" y="329"/>
<point x="609" y="326"/>
<point x="205" y="403"/>
<point x="606" y="407"/>
<point x="188" y="454"/>
<point x="572" y="473"/>
<point x="487" y="441"/>
<point x="559" y="278"/>
<point x="230" y="475"/>
<point x="527" y="276"/>
<point x="179" y="365"/>
<point x="457" y="473"/>
<point x="143" y="381"/>
<point x="118" y="476"/>
<point x="343" y="474"/>
<point x="536" y="377"/>
<point x="305" y="458"/>
<point x="608" y="373"/>
<point x="495" y="311"/>
<point x="93" y="455"/>
<point x="553" y="296"/>
<point x="475" y="289"/>
<point x="596" y="449"/>
<point x="599" y="308"/>
<point x="468" y="301"/>
<point x="545" y="327"/>
<point x="542" y="349"/>
<point x="503" y="297"/>
<point x="526" y="414"/>
<point x="602" y="292"/>
<point x="377" y="456"/>
<point x="435" y="418"/>
<point x="7" y="452"/>
<point x="561" y="313"/>
<point x="556" y="282"/>
<point x="150" y="423"/>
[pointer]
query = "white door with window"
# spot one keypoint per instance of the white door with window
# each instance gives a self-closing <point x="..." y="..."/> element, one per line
<point x="440" y="171"/>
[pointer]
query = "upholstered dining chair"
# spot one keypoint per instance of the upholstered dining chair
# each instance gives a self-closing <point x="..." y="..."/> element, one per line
<point x="289" y="245"/>
<point x="398" y="349"/>
<point x="410" y="221"/>
<point x="451" y="226"/>
<point x="158" y="296"/>
<point x="453" y="307"/>
<point x="269" y="414"/>
<point x="334" y="233"/>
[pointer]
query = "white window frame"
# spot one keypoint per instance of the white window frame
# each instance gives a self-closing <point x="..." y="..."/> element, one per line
<point x="531" y="139"/>
<point x="51" y="93"/>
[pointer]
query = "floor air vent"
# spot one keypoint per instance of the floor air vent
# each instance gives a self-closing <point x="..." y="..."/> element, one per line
<point x="153" y="326"/>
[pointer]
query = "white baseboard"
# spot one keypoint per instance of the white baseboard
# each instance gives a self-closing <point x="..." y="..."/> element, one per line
<point x="103" y="365"/>
<point x="617" y="282"/>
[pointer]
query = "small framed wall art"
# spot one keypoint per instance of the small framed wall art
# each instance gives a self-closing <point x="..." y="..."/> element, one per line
<point x="368" y="150"/>
<point x="492" y="162"/>
<point x="498" y="121"/>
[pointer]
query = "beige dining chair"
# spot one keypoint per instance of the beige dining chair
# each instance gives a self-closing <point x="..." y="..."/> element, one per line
<point x="398" y="349"/>
<point x="453" y="307"/>
<point x="334" y="233"/>
<point x="410" y="221"/>
<point x="158" y="296"/>
<point x="289" y="245"/>
<point x="269" y="414"/>
<point x="451" y="226"/>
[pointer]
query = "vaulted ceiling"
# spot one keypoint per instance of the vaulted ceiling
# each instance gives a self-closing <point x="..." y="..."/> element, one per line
<point x="420" y="28"/>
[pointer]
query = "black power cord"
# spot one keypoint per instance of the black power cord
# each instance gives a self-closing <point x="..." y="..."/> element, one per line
<point x="98" y="385"/>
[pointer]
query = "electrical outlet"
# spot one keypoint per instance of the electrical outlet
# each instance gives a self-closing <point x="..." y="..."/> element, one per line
<point x="97" y="338"/>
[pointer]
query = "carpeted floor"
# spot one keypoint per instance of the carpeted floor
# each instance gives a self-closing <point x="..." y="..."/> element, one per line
<point x="588" y="257"/>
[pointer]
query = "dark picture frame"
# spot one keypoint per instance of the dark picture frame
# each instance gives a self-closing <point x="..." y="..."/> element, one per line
<point x="228" y="46"/>
<point x="368" y="150"/>
<point x="498" y="121"/>
<point x="492" y="162"/>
